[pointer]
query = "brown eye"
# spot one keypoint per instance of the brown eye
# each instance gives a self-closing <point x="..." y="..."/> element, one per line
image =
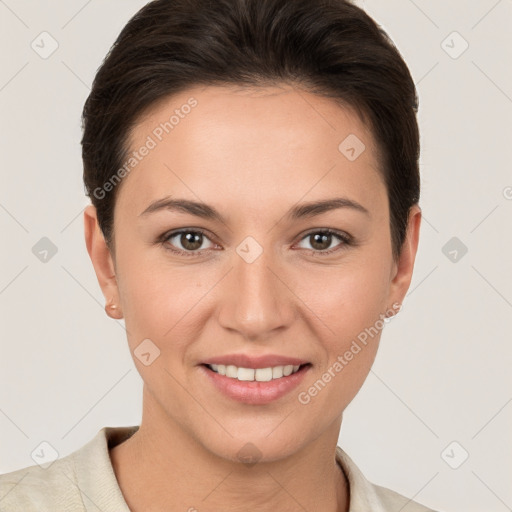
<point x="186" y="242"/>
<point x="191" y="241"/>
<point x="321" y="241"/>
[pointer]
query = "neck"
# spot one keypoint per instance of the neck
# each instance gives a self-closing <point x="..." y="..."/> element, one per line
<point x="162" y="467"/>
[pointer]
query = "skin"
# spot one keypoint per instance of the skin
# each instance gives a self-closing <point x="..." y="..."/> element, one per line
<point x="251" y="154"/>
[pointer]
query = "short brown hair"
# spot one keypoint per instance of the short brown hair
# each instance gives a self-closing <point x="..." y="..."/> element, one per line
<point x="328" y="47"/>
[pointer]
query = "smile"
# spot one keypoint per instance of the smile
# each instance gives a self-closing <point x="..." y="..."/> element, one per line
<point x="254" y="374"/>
<point x="255" y="386"/>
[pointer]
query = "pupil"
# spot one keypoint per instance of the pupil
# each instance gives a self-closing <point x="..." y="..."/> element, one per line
<point x="320" y="238"/>
<point x="188" y="242"/>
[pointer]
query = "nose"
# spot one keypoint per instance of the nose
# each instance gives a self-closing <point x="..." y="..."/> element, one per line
<point x="256" y="299"/>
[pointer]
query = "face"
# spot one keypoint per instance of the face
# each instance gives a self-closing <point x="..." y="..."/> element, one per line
<point x="257" y="278"/>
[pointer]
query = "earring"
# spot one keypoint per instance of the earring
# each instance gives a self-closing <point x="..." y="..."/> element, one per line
<point x="112" y="310"/>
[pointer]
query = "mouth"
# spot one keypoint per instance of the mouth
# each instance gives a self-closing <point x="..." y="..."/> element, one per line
<point x="254" y="386"/>
<point x="267" y="374"/>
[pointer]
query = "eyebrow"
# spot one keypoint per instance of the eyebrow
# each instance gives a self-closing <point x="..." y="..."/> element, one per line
<point x="205" y="211"/>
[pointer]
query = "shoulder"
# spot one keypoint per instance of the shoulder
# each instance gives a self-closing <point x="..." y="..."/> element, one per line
<point x="70" y="483"/>
<point x="366" y="496"/>
<point x="36" y="489"/>
<point x="391" y="500"/>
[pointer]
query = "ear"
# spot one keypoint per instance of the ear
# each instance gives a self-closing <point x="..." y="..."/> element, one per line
<point x="403" y="269"/>
<point x="102" y="262"/>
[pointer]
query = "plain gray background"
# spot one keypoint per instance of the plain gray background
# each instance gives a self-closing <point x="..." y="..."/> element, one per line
<point x="440" y="386"/>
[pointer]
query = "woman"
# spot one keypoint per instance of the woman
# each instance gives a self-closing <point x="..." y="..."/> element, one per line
<point x="253" y="172"/>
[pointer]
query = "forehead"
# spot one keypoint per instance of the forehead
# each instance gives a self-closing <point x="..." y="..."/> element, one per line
<point x="277" y="142"/>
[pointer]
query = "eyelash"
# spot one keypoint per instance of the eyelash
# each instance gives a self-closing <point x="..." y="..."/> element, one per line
<point x="345" y="238"/>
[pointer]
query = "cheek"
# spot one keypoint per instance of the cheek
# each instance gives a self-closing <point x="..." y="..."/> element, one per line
<point x="160" y="303"/>
<point x="349" y="301"/>
<point x="346" y="299"/>
<point x="349" y="307"/>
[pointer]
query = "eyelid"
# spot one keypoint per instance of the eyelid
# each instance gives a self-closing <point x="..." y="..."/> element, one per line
<point x="346" y="240"/>
<point x="164" y="240"/>
<point x="331" y="231"/>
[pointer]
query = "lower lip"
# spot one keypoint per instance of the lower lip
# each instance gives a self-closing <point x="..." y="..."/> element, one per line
<point x="253" y="392"/>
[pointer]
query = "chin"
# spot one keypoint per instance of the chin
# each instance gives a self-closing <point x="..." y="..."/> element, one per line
<point x="257" y="443"/>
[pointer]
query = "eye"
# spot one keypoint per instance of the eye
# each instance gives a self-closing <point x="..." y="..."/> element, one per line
<point x="321" y="241"/>
<point x="187" y="242"/>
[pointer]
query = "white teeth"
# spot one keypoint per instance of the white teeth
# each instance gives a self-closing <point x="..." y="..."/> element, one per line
<point x="251" y="374"/>
<point x="263" y="374"/>
<point x="246" y="373"/>
<point x="277" y="372"/>
<point x="231" y="371"/>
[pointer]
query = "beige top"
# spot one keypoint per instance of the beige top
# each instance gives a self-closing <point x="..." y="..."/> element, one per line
<point x="84" y="481"/>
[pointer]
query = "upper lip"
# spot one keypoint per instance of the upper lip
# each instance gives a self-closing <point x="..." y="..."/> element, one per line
<point x="246" y="361"/>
